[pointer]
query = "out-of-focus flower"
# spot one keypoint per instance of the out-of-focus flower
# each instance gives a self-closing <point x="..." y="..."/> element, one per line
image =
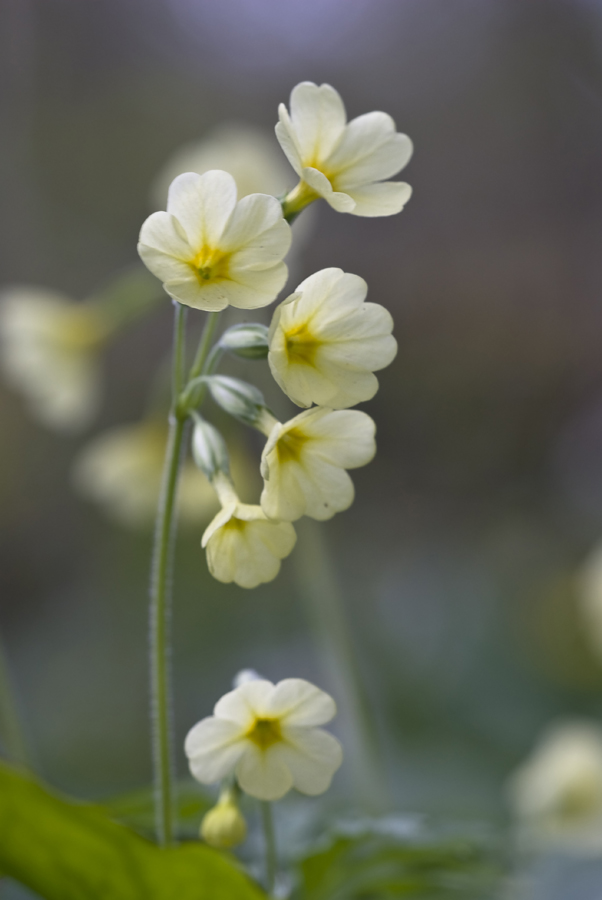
<point x="345" y="163"/>
<point x="224" y="826"/>
<point x="121" y="470"/>
<point x="249" y="154"/>
<point x="556" y="794"/>
<point x="325" y="341"/>
<point x="304" y="461"/>
<point x="242" y="544"/>
<point x="268" y="736"/>
<point x="210" y="251"/>
<point x="590" y="597"/>
<point x="50" y="348"/>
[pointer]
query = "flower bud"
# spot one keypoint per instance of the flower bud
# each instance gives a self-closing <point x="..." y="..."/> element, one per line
<point x="249" y="341"/>
<point x="239" y="399"/>
<point x="209" y="449"/>
<point x="224" y="826"/>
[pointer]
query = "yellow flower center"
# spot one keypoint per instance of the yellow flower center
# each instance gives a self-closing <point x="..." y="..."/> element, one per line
<point x="211" y="264"/>
<point x="290" y="445"/>
<point x="301" y="345"/>
<point x="265" y="732"/>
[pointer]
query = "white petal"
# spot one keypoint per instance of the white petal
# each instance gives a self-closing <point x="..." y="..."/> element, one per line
<point x="164" y="249"/>
<point x="244" y="703"/>
<point x="322" y="186"/>
<point x="298" y="702"/>
<point x="258" y="226"/>
<point x="202" y="204"/>
<point x="344" y="437"/>
<point x="312" y="756"/>
<point x="288" y="140"/>
<point x="369" y="150"/>
<point x="210" y="297"/>
<point x="213" y="747"/>
<point x="262" y="774"/>
<point x="318" y="117"/>
<point x="385" y="198"/>
<point x="247" y="289"/>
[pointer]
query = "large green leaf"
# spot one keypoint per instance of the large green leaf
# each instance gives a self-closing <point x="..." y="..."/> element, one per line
<point x="136" y="809"/>
<point x="71" y="851"/>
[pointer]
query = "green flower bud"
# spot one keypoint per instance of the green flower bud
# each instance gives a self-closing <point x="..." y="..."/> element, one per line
<point x="249" y="341"/>
<point x="209" y="449"/>
<point x="239" y="399"/>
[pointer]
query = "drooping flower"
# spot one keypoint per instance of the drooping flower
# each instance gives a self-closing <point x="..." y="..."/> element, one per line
<point x="556" y="794"/>
<point x="242" y="544"/>
<point x="210" y="251"/>
<point x="304" y="461"/>
<point x="247" y="152"/>
<point x="50" y="348"/>
<point x="343" y="162"/>
<point x="268" y="736"/>
<point x="326" y="342"/>
<point x="224" y="825"/>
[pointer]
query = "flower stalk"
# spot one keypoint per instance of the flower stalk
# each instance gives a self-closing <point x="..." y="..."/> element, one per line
<point x="267" y="822"/>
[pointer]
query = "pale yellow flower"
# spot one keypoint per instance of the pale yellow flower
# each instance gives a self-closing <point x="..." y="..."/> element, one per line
<point x="268" y="736"/>
<point x="248" y="153"/>
<point x="121" y="470"/>
<point x="556" y="794"/>
<point x="50" y="347"/>
<point x="224" y="825"/>
<point x="304" y="461"/>
<point x="325" y="341"/>
<point x="210" y="251"/>
<point x="345" y="163"/>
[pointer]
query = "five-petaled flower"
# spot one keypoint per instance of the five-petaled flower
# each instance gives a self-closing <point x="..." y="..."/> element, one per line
<point x="50" y="347"/>
<point x="210" y="251"/>
<point x="243" y="545"/>
<point x="268" y="736"/>
<point x="304" y="461"/>
<point x="345" y="163"/>
<point x="325" y="341"/>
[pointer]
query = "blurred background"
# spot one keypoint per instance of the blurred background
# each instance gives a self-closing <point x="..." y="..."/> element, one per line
<point x="457" y="563"/>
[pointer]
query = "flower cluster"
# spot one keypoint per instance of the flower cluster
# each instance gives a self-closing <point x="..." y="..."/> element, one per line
<point x="325" y="341"/>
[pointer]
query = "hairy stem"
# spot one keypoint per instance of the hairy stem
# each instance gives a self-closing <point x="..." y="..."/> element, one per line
<point x="267" y="821"/>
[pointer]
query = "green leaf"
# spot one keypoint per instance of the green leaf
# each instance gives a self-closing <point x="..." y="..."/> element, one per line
<point x="374" y="865"/>
<point x="136" y="809"/>
<point x="65" y="850"/>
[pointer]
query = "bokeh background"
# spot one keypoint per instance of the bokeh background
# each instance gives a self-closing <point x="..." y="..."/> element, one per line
<point x="457" y="561"/>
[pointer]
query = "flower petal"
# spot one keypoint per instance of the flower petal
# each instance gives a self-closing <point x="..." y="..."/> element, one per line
<point x="386" y="198"/>
<point x="312" y="756"/>
<point x="318" y="117"/>
<point x="245" y="703"/>
<point x="257" y="226"/>
<point x="345" y="436"/>
<point x="370" y="150"/>
<point x="263" y="774"/>
<point x="288" y="139"/>
<point x="213" y="747"/>
<point x="202" y="204"/>
<point x="248" y="289"/>
<point x="298" y="702"/>
<point x="322" y="186"/>
<point x="164" y="249"/>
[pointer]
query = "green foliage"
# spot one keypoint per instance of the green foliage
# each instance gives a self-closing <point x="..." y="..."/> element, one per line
<point x="70" y="851"/>
<point x="136" y="809"/>
<point x="380" y="866"/>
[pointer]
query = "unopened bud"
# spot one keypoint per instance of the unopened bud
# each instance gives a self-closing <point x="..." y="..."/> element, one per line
<point x="209" y="449"/>
<point x="224" y="826"/>
<point x="238" y="398"/>
<point x="249" y="341"/>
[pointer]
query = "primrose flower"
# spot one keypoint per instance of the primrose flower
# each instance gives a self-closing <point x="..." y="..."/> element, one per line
<point x="345" y="163"/>
<point x="224" y="826"/>
<point x="210" y="251"/>
<point x="50" y="348"/>
<point x="121" y="470"/>
<point x="248" y="153"/>
<point x="303" y="462"/>
<point x="557" y="793"/>
<point x="325" y="341"/>
<point x="242" y="544"/>
<point x="268" y="736"/>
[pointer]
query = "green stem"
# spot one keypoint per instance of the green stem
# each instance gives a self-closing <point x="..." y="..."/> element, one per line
<point x="204" y="345"/>
<point x="319" y="585"/>
<point x="267" y="821"/>
<point x="11" y="732"/>
<point x="161" y="583"/>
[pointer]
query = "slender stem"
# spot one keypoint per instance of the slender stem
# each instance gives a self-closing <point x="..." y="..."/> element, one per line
<point x="320" y="587"/>
<point x="11" y="731"/>
<point x="204" y="345"/>
<point x="161" y="584"/>
<point x="267" y="821"/>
